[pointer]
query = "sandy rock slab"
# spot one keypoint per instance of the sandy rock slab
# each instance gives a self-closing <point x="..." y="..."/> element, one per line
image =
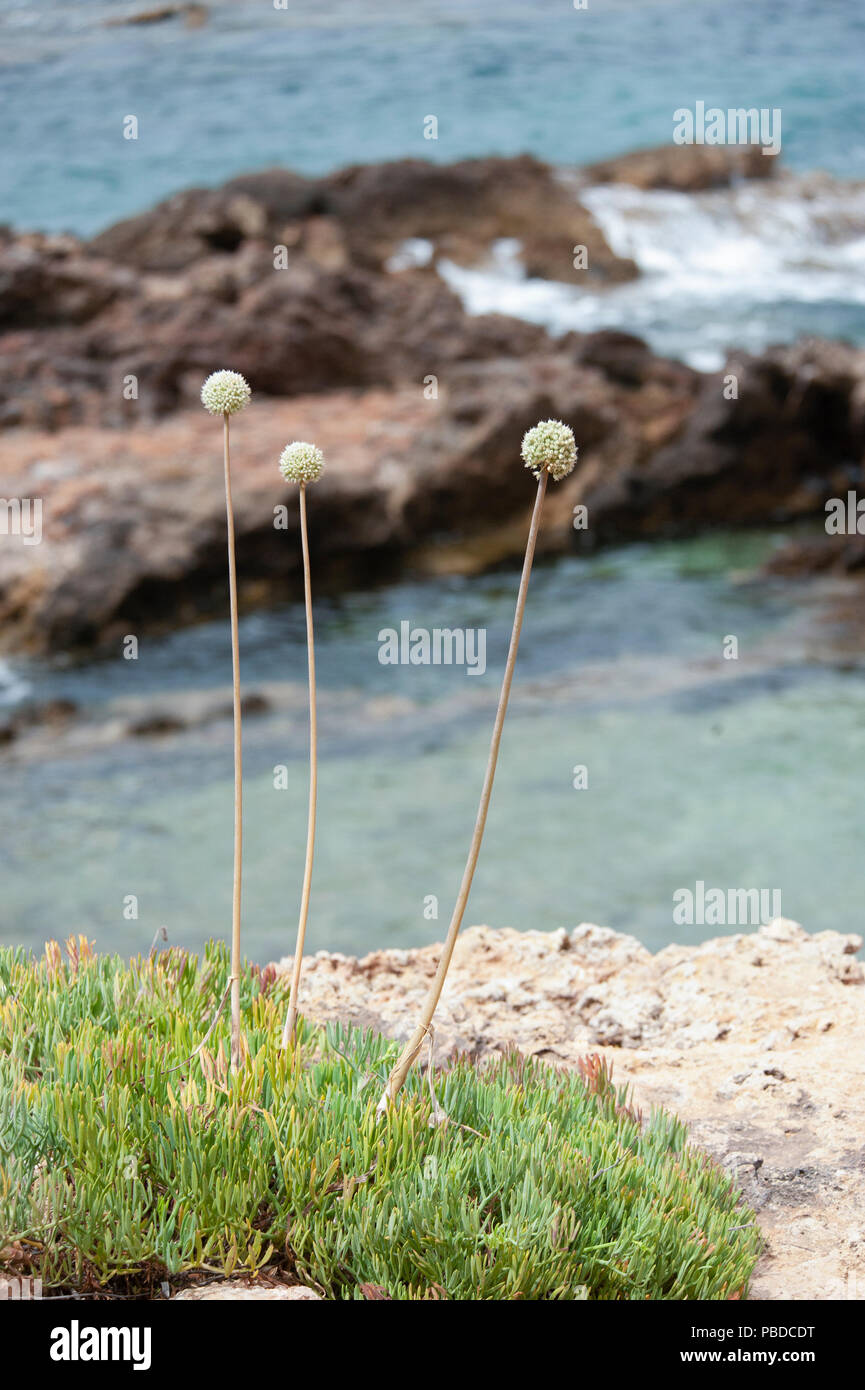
<point x="245" y="1290"/>
<point x="756" y="1040"/>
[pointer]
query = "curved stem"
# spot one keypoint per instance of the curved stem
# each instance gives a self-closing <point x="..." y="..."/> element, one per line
<point x="291" y="1016"/>
<point x="413" y="1046"/>
<point x="238" y="765"/>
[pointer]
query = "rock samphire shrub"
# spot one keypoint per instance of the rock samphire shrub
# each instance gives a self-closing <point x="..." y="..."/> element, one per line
<point x="118" y="1172"/>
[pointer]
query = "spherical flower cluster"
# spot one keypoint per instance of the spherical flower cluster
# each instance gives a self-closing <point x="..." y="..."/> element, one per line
<point x="224" y="393"/>
<point x="301" y="463"/>
<point x="550" y="448"/>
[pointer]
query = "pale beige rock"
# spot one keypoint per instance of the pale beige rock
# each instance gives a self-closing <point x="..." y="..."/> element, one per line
<point x="243" y="1289"/>
<point x="756" y="1040"/>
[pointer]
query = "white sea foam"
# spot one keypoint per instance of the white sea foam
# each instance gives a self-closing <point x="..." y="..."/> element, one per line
<point x="744" y="266"/>
<point x="415" y="251"/>
<point x="13" y="687"/>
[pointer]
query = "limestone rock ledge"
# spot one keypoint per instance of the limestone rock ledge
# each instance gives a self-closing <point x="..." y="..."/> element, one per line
<point x="756" y="1040"/>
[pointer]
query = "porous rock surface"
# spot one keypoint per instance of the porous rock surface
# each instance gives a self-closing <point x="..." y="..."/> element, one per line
<point x="133" y="521"/>
<point x="756" y="1040"/>
<point x="246" y="1291"/>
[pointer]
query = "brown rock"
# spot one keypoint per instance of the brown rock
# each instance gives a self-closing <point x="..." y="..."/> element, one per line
<point x="149" y="502"/>
<point x="175" y="292"/>
<point x="184" y="229"/>
<point x="775" y="453"/>
<point x="361" y="215"/>
<point x="463" y="208"/>
<point x="47" y="281"/>
<point x="429" y="483"/>
<point x="305" y="327"/>
<point x="686" y="168"/>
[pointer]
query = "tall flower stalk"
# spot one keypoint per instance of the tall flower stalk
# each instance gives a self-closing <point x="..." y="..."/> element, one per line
<point x="303" y="464"/>
<point x="225" y="393"/>
<point x="549" y="451"/>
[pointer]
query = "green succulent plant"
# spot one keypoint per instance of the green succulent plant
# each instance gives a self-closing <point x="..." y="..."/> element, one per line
<point x="116" y="1172"/>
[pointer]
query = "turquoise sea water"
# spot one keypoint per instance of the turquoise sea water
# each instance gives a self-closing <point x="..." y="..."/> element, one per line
<point x="318" y="85"/>
<point x="738" y="773"/>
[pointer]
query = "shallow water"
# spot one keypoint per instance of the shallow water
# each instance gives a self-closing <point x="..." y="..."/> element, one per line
<point x="737" y="773"/>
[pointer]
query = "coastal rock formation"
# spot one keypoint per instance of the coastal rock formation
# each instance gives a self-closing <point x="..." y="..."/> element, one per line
<point x="362" y="215"/>
<point x="152" y="496"/>
<point x="418" y="404"/>
<point x="117" y="348"/>
<point x="429" y="484"/>
<point x="793" y="435"/>
<point x="464" y="209"/>
<point x="685" y="168"/>
<point x="747" y="1037"/>
<point x="48" y="281"/>
<point x="833" y="392"/>
<point x="302" y="283"/>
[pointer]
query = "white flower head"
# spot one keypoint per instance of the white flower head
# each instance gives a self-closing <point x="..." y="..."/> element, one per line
<point x="224" y="393"/>
<point x="550" y="448"/>
<point x="301" y="463"/>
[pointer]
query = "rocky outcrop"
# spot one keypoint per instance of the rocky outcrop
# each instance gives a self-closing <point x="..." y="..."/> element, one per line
<point x="117" y="348"/>
<point x="360" y="216"/>
<point x="464" y="208"/>
<point x="51" y="281"/>
<point x="133" y="520"/>
<point x="747" y="1037"/>
<point x="134" y="525"/>
<point x="418" y="405"/>
<point x="288" y="277"/>
<point x="832" y="392"/>
<point x="791" y="436"/>
<point x="285" y="277"/>
<point x="684" y="168"/>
